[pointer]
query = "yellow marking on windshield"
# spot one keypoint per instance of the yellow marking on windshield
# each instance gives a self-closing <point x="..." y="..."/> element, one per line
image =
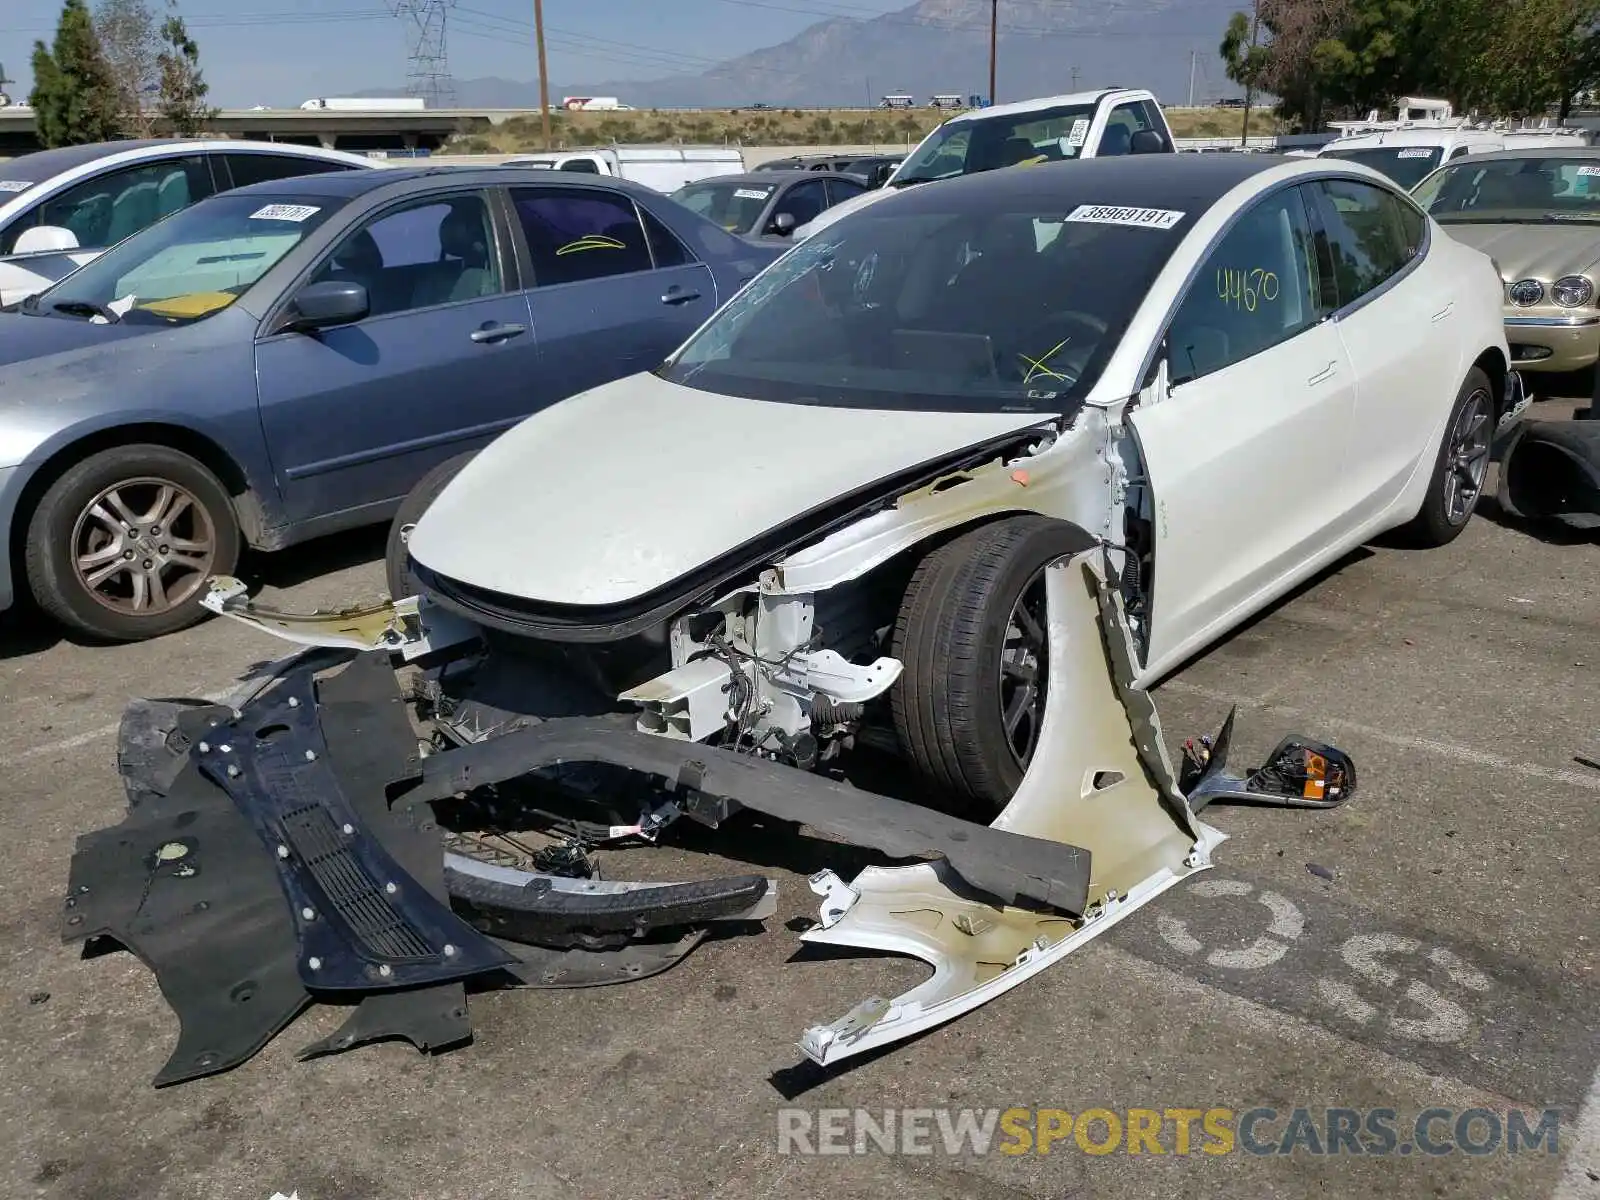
<point x="592" y="241"/>
<point x="193" y="304"/>
<point x="1036" y="366"/>
<point x="1034" y="161"/>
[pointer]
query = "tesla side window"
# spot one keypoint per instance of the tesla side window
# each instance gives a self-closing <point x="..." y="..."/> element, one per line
<point x="104" y="210"/>
<point x="575" y="235"/>
<point x="245" y="169"/>
<point x="1258" y="287"/>
<point x="1368" y="235"/>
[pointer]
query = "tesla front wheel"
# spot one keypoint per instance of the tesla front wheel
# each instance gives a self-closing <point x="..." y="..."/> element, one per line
<point x="396" y="556"/>
<point x="969" y="706"/>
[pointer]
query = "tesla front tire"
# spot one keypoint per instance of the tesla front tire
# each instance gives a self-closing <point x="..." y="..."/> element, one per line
<point x="969" y="705"/>
<point x="396" y="557"/>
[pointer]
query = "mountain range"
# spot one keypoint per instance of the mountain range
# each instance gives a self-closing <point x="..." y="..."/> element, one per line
<point x="936" y="46"/>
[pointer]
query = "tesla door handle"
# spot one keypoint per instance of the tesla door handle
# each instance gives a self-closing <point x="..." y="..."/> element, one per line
<point x="1323" y="375"/>
<point x="679" y="296"/>
<point x="497" y="333"/>
<point x="1445" y="311"/>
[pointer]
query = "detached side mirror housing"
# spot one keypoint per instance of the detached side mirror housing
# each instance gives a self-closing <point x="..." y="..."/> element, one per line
<point x="329" y="303"/>
<point x="783" y="224"/>
<point x="42" y="239"/>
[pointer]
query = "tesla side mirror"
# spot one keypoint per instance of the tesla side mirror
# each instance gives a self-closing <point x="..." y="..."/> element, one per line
<point x="783" y="224"/>
<point x="331" y="302"/>
<point x="42" y="239"/>
<point x="1146" y="141"/>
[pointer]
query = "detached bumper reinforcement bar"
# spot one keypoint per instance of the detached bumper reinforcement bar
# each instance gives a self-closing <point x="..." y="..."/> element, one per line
<point x="1013" y="867"/>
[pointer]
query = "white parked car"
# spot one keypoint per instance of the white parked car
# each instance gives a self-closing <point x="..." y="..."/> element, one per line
<point x="61" y="208"/>
<point x="828" y="516"/>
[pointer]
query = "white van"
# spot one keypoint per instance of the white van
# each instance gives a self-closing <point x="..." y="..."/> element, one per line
<point x="664" y="168"/>
<point x="1426" y="133"/>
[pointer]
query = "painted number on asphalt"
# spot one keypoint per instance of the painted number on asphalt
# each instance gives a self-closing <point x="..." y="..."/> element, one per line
<point x="1429" y="1015"/>
<point x="1414" y="1009"/>
<point x="1287" y="924"/>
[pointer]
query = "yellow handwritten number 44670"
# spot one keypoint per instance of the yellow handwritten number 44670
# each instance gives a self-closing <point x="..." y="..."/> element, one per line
<point x="1246" y="289"/>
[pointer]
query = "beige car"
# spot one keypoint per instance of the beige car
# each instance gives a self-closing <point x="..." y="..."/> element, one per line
<point x="1536" y="212"/>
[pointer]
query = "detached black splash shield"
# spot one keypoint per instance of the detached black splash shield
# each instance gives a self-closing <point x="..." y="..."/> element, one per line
<point x="187" y="883"/>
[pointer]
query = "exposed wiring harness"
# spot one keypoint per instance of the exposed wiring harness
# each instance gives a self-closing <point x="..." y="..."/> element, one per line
<point x="740" y="689"/>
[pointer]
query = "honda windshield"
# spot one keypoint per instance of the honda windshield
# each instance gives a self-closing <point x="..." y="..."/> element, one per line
<point x="972" y="144"/>
<point x="1518" y="190"/>
<point x="189" y="266"/>
<point x="964" y="311"/>
<point x="734" y="206"/>
<point x="1406" y="165"/>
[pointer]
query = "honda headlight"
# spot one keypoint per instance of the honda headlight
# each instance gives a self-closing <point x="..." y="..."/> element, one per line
<point x="1572" y="291"/>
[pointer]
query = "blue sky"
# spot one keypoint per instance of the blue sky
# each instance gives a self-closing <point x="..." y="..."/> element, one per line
<point x="284" y="51"/>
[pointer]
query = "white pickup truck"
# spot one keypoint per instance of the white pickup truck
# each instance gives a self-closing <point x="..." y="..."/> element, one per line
<point x="664" y="168"/>
<point x="1051" y="129"/>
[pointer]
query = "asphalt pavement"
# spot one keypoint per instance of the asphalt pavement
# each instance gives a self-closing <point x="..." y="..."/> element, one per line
<point x="1432" y="945"/>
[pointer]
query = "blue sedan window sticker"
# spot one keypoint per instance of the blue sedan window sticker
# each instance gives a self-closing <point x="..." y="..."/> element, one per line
<point x="751" y="193"/>
<point x="15" y="185"/>
<point x="592" y="241"/>
<point x="285" y="212"/>
<point x="1143" y="218"/>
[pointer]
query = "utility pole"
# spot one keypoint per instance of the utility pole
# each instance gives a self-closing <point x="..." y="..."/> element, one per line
<point x="1193" y="56"/>
<point x="544" y="75"/>
<point x="994" y="34"/>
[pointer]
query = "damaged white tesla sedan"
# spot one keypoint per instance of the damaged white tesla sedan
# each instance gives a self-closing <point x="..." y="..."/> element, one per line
<point x="844" y="489"/>
<point x="953" y="480"/>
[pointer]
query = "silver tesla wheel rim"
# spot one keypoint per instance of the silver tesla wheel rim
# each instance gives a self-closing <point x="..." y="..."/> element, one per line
<point x="143" y="546"/>
<point x="1024" y="665"/>
<point x="1467" y="460"/>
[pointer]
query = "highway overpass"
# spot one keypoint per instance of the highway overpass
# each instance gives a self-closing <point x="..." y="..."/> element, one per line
<point x="358" y="131"/>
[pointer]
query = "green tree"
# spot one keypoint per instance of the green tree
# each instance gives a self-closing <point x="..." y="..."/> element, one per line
<point x="1244" y="58"/>
<point x="1528" y="56"/>
<point x="183" y="88"/>
<point x="130" y="42"/>
<point x="74" y="95"/>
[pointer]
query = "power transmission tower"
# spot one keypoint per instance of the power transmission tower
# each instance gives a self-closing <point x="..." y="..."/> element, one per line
<point x="427" y="62"/>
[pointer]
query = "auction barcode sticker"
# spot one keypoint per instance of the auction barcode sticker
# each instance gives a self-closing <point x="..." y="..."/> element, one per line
<point x="751" y="193"/>
<point x="1589" y="170"/>
<point x="285" y="212"/>
<point x="15" y="185"/>
<point x="1416" y="152"/>
<point x="1105" y="214"/>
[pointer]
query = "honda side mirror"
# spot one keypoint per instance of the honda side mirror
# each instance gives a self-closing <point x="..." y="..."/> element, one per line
<point x="329" y="303"/>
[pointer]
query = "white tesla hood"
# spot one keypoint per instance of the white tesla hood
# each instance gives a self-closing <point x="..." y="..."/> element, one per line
<point x="624" y="488"/>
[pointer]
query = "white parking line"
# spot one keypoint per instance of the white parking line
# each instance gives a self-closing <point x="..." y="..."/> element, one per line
<point x="1582" y="1153"/>
<point x="1466" y="754"/>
